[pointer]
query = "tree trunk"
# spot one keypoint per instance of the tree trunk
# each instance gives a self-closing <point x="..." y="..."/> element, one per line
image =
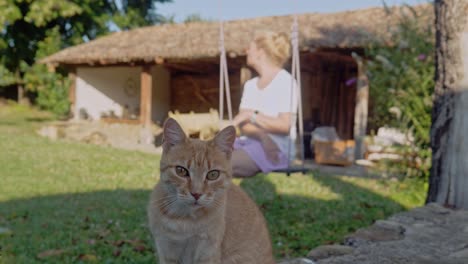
<point x="20" y="95"/>
<point x="448" y="183"/>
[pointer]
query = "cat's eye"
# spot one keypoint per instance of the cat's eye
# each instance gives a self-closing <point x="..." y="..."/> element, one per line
<point x="212" y="175"/>
<point x="181" y="171"/>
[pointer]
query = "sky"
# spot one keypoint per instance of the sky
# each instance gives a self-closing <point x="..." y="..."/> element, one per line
<point x="238" y="9"/>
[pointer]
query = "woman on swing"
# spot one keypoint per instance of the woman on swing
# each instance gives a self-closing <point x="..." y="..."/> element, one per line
<point x="267" y="112"/>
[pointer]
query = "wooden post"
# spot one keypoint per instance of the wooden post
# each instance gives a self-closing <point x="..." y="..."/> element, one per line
<point x="145" y="96"/>
<point x="72" y="93"/>
<point x="361" y="108"/>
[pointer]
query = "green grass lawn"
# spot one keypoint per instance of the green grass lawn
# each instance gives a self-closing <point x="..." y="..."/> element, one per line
<point x="67" y="202"/>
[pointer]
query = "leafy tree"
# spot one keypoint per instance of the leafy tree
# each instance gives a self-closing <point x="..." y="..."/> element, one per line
<point x="33" y="29"/>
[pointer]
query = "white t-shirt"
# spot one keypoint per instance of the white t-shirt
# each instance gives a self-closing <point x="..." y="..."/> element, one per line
<point x="277" y="97"/>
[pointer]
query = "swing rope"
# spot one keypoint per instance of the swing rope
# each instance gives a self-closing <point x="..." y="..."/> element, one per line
<point x="223" y="76"/>
<point x="296" y="76"/>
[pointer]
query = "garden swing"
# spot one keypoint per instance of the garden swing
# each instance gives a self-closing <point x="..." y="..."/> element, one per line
<point x="296" y="75"/>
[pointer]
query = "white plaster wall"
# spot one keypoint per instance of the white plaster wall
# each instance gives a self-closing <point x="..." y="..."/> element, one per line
<point x="101" y="89"/>
<point x="161" y="94"/>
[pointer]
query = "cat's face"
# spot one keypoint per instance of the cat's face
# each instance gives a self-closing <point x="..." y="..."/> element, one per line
<point x="196" y="173"/>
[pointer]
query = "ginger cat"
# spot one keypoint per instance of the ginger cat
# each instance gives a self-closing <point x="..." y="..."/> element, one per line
<point x="196" y="215"/>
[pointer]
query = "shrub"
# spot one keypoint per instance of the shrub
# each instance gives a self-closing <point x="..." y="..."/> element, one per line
<point x="401" y="85"/>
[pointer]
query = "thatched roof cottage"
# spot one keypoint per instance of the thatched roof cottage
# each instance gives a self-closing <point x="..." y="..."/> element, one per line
<point x="146" y="72"/>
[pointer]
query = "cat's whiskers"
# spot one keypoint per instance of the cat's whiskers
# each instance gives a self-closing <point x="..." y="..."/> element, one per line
<point x="167" y="207"/>
<point x="162" y="204"/>
<point x="163" y="200"/>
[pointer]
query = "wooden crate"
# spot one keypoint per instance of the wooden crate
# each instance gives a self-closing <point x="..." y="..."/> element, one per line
<point x="339" y="152"/>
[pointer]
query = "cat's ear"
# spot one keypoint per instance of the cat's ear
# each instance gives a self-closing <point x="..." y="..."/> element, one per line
<point x="173" y="134"/>
<point x="225" y="139"/>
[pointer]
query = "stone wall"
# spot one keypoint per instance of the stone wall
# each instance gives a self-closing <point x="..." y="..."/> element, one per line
<point x="426" y="235"/>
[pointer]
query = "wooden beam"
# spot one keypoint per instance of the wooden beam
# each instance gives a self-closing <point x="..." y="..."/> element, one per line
<point x="334" y="56"/>
<point x="361" y="108"/>
<point x="344" y="51"/>
<point x="72" y="92"/>
<point x="199" y="68"/>
<point x="145" y="96"/>
<point x="108" y="64"/>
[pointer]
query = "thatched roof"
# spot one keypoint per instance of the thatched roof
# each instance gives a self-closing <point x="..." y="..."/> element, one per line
<point x="190" y="41"/>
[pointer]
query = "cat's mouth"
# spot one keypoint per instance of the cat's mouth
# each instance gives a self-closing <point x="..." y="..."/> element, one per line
<point x="196" y="204"/>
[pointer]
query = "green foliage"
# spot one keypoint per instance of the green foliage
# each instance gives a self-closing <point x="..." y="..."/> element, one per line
<point x="31" y="30"/>
<point x="85" y="200"/>
<point x="6" y="77"/>
<point x="194" y="18"/>
<point x="10" y="12"/>
<point x="401" y="78"/>
<point x="51" y="87"/>
<point x="42" y="12"/>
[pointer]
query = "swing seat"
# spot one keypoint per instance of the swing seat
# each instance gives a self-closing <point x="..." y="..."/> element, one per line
<point x="293" y="169"/>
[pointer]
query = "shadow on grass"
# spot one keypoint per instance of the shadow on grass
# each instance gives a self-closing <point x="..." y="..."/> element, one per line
<point x="298" y="223"/>
<point x="105" y="226"/>
<point x="8" y="123"/>
<point x="33" y="121"/>
<point x="110" y="226"/>
<point x="40" y="119"/>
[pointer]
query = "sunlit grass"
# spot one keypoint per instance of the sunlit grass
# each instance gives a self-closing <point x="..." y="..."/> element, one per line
<point x="69" y="202"/>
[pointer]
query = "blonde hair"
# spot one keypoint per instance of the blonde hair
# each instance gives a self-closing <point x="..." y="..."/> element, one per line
<point x="276" y="46"/>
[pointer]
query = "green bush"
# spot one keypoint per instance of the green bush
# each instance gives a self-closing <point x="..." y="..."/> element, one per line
<point x="401" y="85"/>
<point x="51" y="86"/>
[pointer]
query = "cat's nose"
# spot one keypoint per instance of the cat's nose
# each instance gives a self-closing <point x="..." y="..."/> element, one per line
<point x="196" y="195"/>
